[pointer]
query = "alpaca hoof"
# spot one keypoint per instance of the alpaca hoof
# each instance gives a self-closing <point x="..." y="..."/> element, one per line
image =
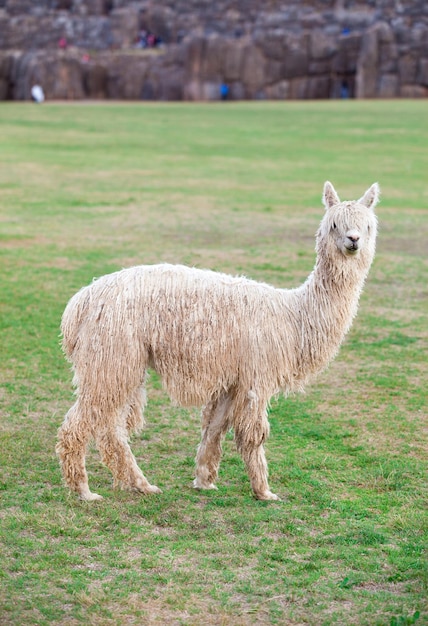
<point x="152" y="489"/>
<point x="147" y="489"/>
<point x="141" y="485"/>
<point x="267" y="495"/>
<point x="90" y="497"/>
<point x="199" y="484"/>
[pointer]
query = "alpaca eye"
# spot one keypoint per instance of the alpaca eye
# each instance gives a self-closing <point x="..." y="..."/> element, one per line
<point x="334" y="225"/>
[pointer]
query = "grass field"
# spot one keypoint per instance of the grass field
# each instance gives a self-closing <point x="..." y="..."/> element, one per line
<point x="86" y="189"/>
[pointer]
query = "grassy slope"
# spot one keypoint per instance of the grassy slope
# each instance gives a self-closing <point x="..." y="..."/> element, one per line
<point x="87" y="189"/>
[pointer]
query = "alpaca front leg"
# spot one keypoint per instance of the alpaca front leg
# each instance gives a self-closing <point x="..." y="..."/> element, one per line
<point x="215" y="424"/>
<point x="73" y="438"/>
<point x="112" y="443"/>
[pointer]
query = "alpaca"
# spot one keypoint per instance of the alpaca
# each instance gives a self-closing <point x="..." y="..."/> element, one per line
<point x="225" y="343"/>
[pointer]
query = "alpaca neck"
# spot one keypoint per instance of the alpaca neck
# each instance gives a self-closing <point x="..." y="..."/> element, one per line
<point x="327" y="303"/>
<point x="333" y="294"/>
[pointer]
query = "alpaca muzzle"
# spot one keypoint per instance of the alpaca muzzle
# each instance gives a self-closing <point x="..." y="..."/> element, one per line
<point x="352" y="243"/>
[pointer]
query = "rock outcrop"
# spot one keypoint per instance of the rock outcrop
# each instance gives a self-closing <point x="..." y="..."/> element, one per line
<point x="258" y="48"/>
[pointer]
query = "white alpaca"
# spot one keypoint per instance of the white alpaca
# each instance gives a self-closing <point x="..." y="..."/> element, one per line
<point x="225" y="343"/>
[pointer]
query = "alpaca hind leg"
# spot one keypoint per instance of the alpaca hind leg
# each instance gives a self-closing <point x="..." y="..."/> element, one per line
<point x="135" y="413"/>
<point x="215" y="423"/>
<point x="111" y="438"/>
<point x="255" y="462"/>
<point x="73" y="438"/>
<point x="249" y="436"/>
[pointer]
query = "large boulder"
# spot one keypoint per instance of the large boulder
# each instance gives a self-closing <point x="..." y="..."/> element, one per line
<point x="368" y="65"/>
<point x="408" y="68"/>
<point x="322" y="45"/>
<point x="60" y="75"/>
<point x="95" y="80"/>
<point x="6" y="60"/>
<point x="253" y="71"/>
<point x="296" y="55"/>
<point x="234" y="51"/>
<point x="382" y="71"/>
<point x="423" y="72"/>
<point x="126" y="75"/>
<point x="388" y="86"/>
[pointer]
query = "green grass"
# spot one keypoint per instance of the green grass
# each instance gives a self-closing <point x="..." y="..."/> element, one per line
<point x="86" y="189"/>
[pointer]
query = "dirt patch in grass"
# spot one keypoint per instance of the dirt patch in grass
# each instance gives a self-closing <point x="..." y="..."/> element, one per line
<point x="21" y="242"/>
<point x="195" y="613"/>
<point x="394" y="588"/>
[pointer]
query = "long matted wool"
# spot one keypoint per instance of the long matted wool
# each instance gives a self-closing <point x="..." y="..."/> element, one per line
<point x="225" y="343"/>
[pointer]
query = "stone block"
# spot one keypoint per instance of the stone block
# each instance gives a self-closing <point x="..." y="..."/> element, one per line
<point x="423" y="72"/>
<point x="192" y="90"/>
<point x="388" y="86"/>
<point x="278" y="91"/>
<point x="322" y="46"/>
<point x="233" y="60"/>
<point x="299" y="88"/>
<point x="95" y="77"/>
<point x="322" y="66"/>
<point x="214" y="59"/>
<point x="210" y="90"/>
<point x="195" y="55"/>
<point x="4" y="89"/>
<point x="413" y="91"/>
<point x="419" y="35"/>
<point x="367" y="66"/>
<point x="408" y="68"/>
<point x="5" y="64"/>
<point x="170" y="83"/>
<point x="384" y="32"/>
<point x="388" y="57"/>
<point x="253" y="69"/>
<point x="318" y="87"/>
<point x="197" y="90"/>
<point x="236" y="91"/>
<point x="274" y="71"/>
<point x="271" y="43"/>
<point x="126" y="76"/>
<point x="296" y="56"/>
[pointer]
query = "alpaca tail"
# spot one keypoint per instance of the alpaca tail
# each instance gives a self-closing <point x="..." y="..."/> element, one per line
<point x="75" y="311"/>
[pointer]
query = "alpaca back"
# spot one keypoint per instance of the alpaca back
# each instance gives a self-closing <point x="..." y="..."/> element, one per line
<point x="207" y="333"/>
<point x="202" y="331"/>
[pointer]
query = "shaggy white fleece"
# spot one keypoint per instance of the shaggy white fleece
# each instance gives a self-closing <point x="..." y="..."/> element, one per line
<point x="225" y="343"/>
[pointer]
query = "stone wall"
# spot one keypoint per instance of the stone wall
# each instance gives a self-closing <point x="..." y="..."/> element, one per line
<point x="259" y="48"/>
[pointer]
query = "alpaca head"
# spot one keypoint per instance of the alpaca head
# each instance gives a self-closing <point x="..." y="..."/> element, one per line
<point x="348" y="229"/>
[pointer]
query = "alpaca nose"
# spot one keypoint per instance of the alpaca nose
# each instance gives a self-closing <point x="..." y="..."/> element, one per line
<point x="354" y="237"/>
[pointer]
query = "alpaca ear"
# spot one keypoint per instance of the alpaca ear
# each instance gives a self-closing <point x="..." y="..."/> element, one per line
<point x="329" y="196"/>
<point x="371" y="197"/>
